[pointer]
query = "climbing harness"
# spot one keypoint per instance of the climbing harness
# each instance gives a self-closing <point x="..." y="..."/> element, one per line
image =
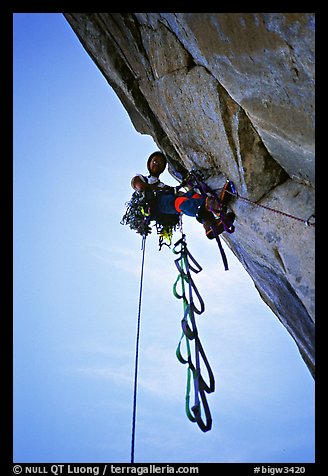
<point x="143" y="247"/>
<point x="190" y="333"/>
<point x="141" y="211"/>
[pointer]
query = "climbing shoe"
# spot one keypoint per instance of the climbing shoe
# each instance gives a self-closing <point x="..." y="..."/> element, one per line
<point x="228" y="219"/>
<point x="213" y="204"/>
<point x="218" y="226"/>
<point x="217" y="205"/>
<point x="208" y="230"/>
<point x="213" y="228"/>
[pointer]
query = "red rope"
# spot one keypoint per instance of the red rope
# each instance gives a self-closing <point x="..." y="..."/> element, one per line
<point x="307" y="222"/>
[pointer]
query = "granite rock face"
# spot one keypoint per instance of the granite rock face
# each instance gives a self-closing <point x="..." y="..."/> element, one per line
<point x="231" y="94"/>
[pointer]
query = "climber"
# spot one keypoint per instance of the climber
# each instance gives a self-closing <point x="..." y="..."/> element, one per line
<point x="169" y="200"/>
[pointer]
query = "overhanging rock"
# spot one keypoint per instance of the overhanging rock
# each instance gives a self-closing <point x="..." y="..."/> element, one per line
<point x="231" y="94"/>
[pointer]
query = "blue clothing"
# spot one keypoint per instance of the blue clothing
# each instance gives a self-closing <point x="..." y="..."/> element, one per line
<point x="165" y="203"/>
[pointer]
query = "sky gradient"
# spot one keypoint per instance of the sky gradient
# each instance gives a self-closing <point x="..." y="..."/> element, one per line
<point x="76" y="280"/>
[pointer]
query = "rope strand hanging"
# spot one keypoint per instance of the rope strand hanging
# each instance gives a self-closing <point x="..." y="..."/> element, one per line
<point x="143" y="247"/>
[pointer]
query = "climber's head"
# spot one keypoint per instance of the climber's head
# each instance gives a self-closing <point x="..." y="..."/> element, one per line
<point x="156" y="163"/>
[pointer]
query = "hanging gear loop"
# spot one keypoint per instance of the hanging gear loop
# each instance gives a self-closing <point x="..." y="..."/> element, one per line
<point x="190" y="333"/>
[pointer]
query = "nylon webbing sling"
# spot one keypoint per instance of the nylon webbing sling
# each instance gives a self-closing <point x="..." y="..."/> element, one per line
<point x="189" y="334"/>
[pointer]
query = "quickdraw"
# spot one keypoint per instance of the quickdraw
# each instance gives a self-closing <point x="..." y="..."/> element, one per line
<point x="190" y="333"/>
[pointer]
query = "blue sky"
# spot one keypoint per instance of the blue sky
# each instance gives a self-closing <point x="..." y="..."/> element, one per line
<point x="76" y="279"/>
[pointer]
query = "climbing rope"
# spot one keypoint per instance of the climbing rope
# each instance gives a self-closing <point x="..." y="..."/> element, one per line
<point x="143" y="247"/>
<point x="190" y="333"/>
<point x="195" y="177"/>
<point x="288" y="215"/>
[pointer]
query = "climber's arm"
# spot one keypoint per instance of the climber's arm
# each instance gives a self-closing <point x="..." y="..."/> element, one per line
<point x="138" y="184"/>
